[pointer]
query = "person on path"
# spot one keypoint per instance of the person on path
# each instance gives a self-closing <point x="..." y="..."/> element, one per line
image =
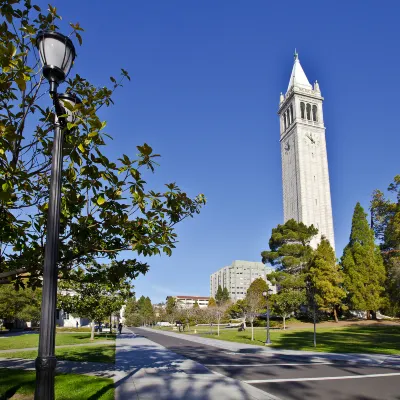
<point x="77" y="324"/>
<point x="120" y="328"/>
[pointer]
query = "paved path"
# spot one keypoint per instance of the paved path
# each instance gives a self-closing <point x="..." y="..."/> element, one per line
<point x="154" y="372"/>
<point x="291" y="375"/>
<point x="57" y="347"/>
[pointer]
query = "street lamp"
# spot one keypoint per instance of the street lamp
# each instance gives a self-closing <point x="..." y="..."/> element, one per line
<point x="266" y="296"/>
<point x="57" y="54"/>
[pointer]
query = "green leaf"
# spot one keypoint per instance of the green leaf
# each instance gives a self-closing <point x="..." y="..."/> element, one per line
<point x="100" y="200"/>
<point x="81" y="148"/>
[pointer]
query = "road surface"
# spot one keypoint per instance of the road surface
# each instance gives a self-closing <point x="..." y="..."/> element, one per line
<point x="288" y="377"/>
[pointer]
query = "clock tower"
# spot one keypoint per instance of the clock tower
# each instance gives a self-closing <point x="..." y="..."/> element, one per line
<point x="305" y="176"/>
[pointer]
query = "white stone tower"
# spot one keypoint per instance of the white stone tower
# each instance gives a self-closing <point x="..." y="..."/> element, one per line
<point x="305" y="176"/>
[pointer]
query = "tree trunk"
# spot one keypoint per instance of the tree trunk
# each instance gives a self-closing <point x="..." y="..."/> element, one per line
<point x="218" y="328"/>
<point x="284" y="322"/>
<point x="373" y="315"/>
<point x="315" y="326"/>
<point x="368" y="314"/>
<point x="335" y="314"/>
<point x="92" y="332"/>
<point x="252" y="330"/>
<point x="110" y="324"/>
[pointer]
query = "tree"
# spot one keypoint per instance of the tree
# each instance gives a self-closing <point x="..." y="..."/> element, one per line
<point x="326" y="278"/>
<point x="107" y="207"/>
<point x="290" y="247"/>
<point x="362" y="264"/>
<point x="225" y="295"/>
<point x="238" y="310"/>
<point x="196" y="304"/>
<point x="131" y="313"/>
<point x="219" y="295"/>
<point x="145" y="310"/>
<point x="385" y="221"/>
<point x="291" y="295"/>
<point x="258" y="286"/>
<point x="253" y="303"/>
<point x="171" y="309"/>
<point x="212" y="302"/>
<point x="22" y="304"/>
<point x="95" y="301"/>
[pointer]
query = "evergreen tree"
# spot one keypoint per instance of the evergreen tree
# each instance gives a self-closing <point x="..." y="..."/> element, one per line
<point x="326" y="278"/>
<point x="290" y="247"/>
<point x="362" y="264"/>
<point x="196" y="304"/>
<point x="225" y="295"/>
<point x="219" y="295"/>
<point x="170" y="307"/>
<point x="385" y="220"/>
<point x="212" y="302"/>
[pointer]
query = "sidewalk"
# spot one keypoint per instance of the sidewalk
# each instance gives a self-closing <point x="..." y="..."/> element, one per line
<point x="310" y="356"/>
<point x="153" y="372"/>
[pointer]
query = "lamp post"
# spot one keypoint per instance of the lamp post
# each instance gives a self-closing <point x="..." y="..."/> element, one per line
<point x="57" y="54"/>
<point x="266" y="296"/>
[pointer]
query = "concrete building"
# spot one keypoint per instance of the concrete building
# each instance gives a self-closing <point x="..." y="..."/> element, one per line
<point x="305" y="176"/>
<point x="237" y="278"/>
<point x="189" y="301"/>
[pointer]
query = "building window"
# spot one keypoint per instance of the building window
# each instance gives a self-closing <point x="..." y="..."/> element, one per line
<point x="315" y="113"/>
<point x="309" y="112"/>
<point x="57" y="314"/>
<point x="302" y="110"/>
<point x="284" y="119"/>
<point x="291" y="112"/>
<point x="66" y="315"/>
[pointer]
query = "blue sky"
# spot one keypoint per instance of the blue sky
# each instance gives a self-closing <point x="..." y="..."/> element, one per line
<point x="206" y="78"/>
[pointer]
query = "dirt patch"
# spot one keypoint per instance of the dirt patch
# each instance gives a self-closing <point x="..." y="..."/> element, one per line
<point x="22" y="397"/>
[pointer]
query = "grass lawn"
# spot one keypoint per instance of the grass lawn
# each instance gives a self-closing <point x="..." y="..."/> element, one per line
<point x="67" y="387"/>
<point x="101" y="353"/>
<point x="32" y="339"/>
<point x="383" y="339"/>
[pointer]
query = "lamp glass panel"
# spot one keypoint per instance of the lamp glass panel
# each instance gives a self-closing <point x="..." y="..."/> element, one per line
<point x="55" y="52"/>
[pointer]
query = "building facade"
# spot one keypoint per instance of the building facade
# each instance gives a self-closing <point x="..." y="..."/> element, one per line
<point x="189" y="301"/>
<point x="237" y="278"/>
<point x="305" y="176"/>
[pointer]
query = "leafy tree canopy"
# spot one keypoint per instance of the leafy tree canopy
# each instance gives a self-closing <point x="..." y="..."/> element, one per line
<point x="212" y="302"/>
<point x="20" y="304"/>
<point x="290" y="246"/>
<point x="107" y="206"/>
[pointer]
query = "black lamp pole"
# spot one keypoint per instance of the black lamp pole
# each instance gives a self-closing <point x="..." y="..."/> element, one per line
<point x="55" y="69"/>
<point x="46" y="360"/>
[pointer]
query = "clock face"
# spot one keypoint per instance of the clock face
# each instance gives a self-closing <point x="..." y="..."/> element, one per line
<point x="311" y="139"/>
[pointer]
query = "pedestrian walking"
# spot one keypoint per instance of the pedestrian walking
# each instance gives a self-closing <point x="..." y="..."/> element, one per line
<point x="120" y="328"/>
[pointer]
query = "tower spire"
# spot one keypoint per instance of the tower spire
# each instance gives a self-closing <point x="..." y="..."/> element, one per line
<point x="298" y="77"/>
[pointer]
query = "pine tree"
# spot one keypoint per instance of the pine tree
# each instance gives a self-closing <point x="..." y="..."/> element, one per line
<point x="225" y="295"/>
<point x="219" y="295"/>
<point x="290" y="247"/>
<point x="196" y="304"/>
<point x="326" y="278"/>
<point x="362" y="264"/>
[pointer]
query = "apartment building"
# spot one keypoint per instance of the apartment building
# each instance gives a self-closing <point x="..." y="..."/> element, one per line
<point x="237" y="278"/>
